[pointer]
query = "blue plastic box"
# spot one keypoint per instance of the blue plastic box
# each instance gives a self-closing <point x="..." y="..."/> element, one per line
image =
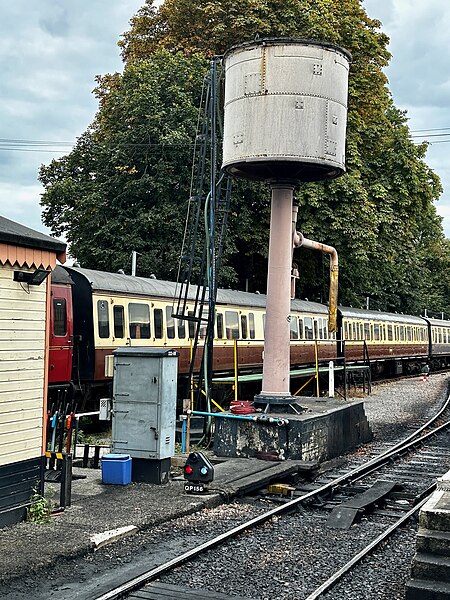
<point x="116" y="469"/>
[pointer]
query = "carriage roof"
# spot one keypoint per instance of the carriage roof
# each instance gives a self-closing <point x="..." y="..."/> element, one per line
<point x="117" y="283"/>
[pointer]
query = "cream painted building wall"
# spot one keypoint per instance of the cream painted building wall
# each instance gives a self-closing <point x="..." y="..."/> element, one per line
<point x="23" y="312"/>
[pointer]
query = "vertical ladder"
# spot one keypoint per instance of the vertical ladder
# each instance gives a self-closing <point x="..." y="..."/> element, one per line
<point x="204" y="235"/>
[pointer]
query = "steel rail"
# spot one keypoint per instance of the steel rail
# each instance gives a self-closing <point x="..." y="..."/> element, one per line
<point x="139" y="581"/>
<point x="331" y="581"/>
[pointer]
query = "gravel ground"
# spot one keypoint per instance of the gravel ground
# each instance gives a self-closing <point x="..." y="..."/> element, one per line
<point x="261" y="564"/>
<point x="393" y="408"/>
<point x="292" y="555"/>
<point x="286" y="558"/>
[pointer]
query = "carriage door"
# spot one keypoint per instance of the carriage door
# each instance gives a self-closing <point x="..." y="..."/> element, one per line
<point x="61" y="334"/>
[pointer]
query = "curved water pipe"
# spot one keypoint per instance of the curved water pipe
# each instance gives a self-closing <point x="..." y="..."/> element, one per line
<point x="299" y="241"/>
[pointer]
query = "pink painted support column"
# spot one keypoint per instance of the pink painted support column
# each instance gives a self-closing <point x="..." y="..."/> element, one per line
<point x="276" y="366"/>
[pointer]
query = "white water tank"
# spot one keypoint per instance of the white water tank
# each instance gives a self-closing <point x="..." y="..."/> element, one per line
<point x="285" y="110"/>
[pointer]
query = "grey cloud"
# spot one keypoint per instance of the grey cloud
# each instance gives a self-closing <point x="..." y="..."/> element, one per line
<point x="56" y="22"/>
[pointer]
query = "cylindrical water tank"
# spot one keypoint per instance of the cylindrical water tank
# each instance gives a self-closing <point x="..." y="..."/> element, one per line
<point x="285" y="110"/>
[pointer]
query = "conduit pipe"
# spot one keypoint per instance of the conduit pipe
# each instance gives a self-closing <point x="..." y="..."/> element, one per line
<point x="300" y="241"/>
<point x="262" y="418"/>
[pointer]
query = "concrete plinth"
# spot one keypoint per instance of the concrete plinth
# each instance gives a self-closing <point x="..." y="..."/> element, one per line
<point x="326" y="428"/>
<point x="430" y="569"/>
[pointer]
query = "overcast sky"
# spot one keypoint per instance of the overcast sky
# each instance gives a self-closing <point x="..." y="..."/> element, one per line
<point x="51" y="51"/>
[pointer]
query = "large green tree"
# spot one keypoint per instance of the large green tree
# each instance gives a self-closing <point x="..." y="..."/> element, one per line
<point x="126" y="183"/>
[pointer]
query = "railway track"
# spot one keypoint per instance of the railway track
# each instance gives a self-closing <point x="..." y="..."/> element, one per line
<point x="409" y="468"/>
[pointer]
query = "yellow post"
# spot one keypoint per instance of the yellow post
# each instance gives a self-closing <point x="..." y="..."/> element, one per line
<point x="235" y="360"/>
<point x="192" y="377"/>
<point x="316" y="355"/>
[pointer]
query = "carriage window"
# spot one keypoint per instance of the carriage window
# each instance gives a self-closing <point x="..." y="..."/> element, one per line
<point x="204" y="324"/>
<point x="231" y="324"/>
<point x="191" y="326"/>
<point x="376" y="331"/>
<point x="402" y="333"/>
<point x="139" y="318"/>
<point x="181" y="329"/>
<point x="170" y="323"/>
<point x="346" y="330"/>
<point x="244" y="327"/>
<point x="264" y="323"/>
<point x="59" y="316"/>
<point x="321" y="334"/>
<point x="158" y="320"/>
<point x="103" y="319"/>
<point x="325" y="329"/>
<point x="219" y="325"/>
<point x="316" y="329"/>
<point x="119" y="321"/>
<point x="422" y="335"/>
<point x="300" y="328"/>
<point x="366" y="331"/>
<point x="251" y="325"/>
<point x="309" y="334"/>
<point x="408" y="333"/>
<point x="294" y="328"/>
<point x="390" y="334"/>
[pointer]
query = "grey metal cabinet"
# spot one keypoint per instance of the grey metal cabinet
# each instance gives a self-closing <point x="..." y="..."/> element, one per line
<point x="144" y="402"/>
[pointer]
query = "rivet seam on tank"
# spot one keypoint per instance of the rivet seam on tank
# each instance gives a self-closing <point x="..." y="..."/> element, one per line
<point x="330" y="147"/>
<point x="317" y="69"/>
<point x="263" y="70"/>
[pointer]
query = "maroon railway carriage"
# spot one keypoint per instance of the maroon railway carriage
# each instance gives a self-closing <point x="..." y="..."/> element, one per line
<point x="61" y="334"/>
<point x="111" y="310"/>
<point x="439" y="350"/>
<point x="95" y="312"/>
<point x="394" y="343"/>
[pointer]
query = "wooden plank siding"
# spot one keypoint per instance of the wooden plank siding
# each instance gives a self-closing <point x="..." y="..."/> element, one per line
<point x="23" y="316"/>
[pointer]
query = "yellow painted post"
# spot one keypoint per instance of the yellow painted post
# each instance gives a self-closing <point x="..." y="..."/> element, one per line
<point x="316" y="355"/>
<point x="192" y="376"/>
<point x="235" y="360"/>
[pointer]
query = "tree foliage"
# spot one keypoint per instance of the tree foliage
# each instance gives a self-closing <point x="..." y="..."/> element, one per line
<point x="125" y="185"/>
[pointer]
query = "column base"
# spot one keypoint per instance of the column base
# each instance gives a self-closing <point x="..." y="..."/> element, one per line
<point x="277" y="402"/>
